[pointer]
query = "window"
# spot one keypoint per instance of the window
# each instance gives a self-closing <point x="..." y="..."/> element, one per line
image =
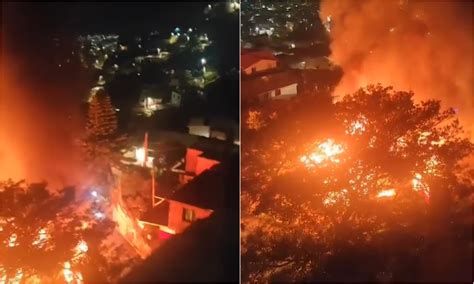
<point x="277" y="92"/>
<point x="189" y="215"/>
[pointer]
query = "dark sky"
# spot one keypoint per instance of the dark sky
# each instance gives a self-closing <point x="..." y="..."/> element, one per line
<point x="29" y="27"/>
<point x="83" y="17"/>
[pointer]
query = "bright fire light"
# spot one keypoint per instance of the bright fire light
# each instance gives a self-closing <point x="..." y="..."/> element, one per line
<point x="140" y="155"/>
<point x="357" y="127"/>
<point x="387" y="193"/>
<point x="12" y="241"/>
<point x="335" y="196"/>
<point x="326" y="151"/>
<point x="419" y="186"/>
<point x="41" y="239"/>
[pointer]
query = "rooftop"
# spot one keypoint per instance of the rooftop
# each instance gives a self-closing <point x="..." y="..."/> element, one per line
<point x="250" y="57"/>
<point x="214" y="189"/>
<point x="271" y="81"/>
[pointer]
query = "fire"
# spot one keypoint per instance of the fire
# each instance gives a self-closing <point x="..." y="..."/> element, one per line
<point x="334" y="197"/>
<point x="357" y="126"/>
<point x="140" y="155"/>
<point x="325" y="151"/>
<point x="419" y="186"/>
<point x="70" y="276"/>
<point x="387" y="193"/>
<point x="130" y="229"/>
<point x="80" y="251"/>
<point x="12" y="241"/>
<point x="41" y="239"/>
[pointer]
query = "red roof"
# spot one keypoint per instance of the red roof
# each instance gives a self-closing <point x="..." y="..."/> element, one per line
<point x="249" y="58"/>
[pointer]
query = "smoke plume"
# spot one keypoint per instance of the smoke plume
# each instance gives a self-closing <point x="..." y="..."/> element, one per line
<point x="423" y="46"/>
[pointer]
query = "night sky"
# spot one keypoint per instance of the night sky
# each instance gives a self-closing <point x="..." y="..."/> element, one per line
<point x="28" y="28"/>
<point x="88" y="17"/>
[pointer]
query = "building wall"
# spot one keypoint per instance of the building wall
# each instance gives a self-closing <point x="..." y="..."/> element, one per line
<point x="218" y="135"/>
<point x="204" y="164"/>
<point x="191" y="159"/>
<point x="262" y="65"/>
<point x="200" y="130"/>
<point x="286" y="92"/>
<point x="175" y="215"/>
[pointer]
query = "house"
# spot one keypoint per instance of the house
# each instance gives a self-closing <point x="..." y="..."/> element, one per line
<point x="197" y="199"/>
<point x="216" y="127"/>
<point x="197" y="161"/>
<point x="275" y="86"/>
<point x="175" y="99"/>
<point x="257" y="62"/>
<point x="152" y="97"/>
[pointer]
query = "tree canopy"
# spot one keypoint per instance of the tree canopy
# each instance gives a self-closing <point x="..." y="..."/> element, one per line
<point x="361" y="189"/>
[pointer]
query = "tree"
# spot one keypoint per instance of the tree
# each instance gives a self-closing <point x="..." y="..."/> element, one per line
<point x="361" y="190"/>
<point x="37" y="243"/>
<point x="102" y="142"/>
<point x="101" y="118"/>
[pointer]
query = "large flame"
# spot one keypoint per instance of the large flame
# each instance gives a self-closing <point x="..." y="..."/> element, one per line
<point x="38" y="123"/>
<point x="423" y="46"/>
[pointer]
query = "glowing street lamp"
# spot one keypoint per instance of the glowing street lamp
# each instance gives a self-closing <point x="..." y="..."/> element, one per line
<point x="203" y="62"/>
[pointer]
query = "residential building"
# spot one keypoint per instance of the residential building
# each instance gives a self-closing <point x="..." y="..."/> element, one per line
<point x="275" y="86"/>
<point x="253" y="62"/>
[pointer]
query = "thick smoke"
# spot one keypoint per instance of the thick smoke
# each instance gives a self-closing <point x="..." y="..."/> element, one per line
<point x="37" y="130"/>
<point x="423" y="46"/>
<point x="36" y="143"/>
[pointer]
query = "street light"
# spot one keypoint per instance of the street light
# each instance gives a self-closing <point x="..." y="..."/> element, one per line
<point x="203" y="62"/>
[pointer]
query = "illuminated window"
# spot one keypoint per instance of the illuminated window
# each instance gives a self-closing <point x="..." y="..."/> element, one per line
<point x="189" y="215"/>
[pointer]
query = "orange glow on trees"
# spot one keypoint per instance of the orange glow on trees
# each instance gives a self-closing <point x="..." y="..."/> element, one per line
<point x="308" y="189"/>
